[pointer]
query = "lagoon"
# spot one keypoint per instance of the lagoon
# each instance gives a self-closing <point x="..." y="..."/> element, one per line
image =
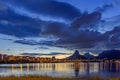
<point x="71" y="70"/>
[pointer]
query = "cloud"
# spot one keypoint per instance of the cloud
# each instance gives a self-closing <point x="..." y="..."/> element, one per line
<point x="116" y="3"/>
<point x="82" y="39"/>
<point x="114" y="38"/>
<point x="30" y="54"/>
<point x="83" y="31"/>
<point x="42" y="47"/>
<point x="50" y="8"/>
<point x="57" y="53"/>
<point x="18" y="25"/>
<point x="109" y="23"/>
<point x="19" y="32"/>
<point x="104" y="7"/>
<point x="6" y="39"/>
<point x="3" y="6"/>
<point x="40" y="54"/>
<point x="87" y="21"/>
<point x="115" y="30"/>
<point x="33" y="42"/>
<point x="55" y="28"/>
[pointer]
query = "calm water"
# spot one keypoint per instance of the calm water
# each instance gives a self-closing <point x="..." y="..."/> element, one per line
<point x="62" y="69"/>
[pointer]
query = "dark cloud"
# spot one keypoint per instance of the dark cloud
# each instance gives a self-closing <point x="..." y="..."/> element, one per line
<point x="40" y="54"/>
<point x="30" y="54"/>
<point x="56" y="28"/>
<point x="114" y="38"/>
<point x="27" y="42"/>
<point x="56" y="53"/>
<point x="18" y="32"/>
<point x="82" y="39"/>
<point x="33" y="42"/>
<point x="87" y="21"/>
<point x="116" y="3"/>
<point x="42" y="47"/>
<point x="18" y="25"/>
<point x="82" y="33"/>
<point x="115" y="30"/>
<point x="48" y="8"/>
<point x="104" y="7"/>
<point x="8" y="49"/>
<point x="8" y="39"/>
<point x="3" y="6"/>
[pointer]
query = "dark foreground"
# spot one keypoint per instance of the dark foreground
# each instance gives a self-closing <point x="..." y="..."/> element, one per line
<point x="51" y="78"/>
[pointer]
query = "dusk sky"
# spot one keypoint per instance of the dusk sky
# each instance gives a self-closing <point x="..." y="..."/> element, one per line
<point x="59" y="27"/>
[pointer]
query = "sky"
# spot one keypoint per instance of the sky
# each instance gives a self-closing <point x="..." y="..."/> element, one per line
<point x="58" y="27"/>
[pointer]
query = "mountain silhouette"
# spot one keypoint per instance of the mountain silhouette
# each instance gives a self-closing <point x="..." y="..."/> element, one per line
<point x="76" y="56"/>
<point x="110" y="54"/>
<point x="89" y="56"/>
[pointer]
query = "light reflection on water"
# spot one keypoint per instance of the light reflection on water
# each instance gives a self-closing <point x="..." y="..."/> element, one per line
<point x="62" y="69"/>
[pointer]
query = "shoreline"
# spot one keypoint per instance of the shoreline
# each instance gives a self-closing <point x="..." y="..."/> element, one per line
<point x="30" y="77"/>
<point x="58" y="62"/>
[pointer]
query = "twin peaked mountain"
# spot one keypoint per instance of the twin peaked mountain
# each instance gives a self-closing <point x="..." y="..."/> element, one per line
<point x="77" y="56"/>
<point x="108" y="54"/>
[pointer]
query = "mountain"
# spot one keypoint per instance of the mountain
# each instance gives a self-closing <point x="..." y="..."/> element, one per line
<point x="89" y="56"/>
<point x="76" y="56"/>
<point x="110" y="54"/>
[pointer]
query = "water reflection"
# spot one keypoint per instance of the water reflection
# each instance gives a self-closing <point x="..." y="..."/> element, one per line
<point x="62" y="69"/>
<point x="76" y="69"/>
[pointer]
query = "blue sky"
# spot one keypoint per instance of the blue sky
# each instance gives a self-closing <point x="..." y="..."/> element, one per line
<point x="59" y="26"/>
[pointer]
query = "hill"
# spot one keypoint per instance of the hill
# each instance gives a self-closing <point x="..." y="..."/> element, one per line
<point x="76" y="56"/>
<point x="110" y="54"/>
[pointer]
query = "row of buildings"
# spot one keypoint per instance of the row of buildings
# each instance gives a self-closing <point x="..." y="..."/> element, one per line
<point x="24" y="59"/>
